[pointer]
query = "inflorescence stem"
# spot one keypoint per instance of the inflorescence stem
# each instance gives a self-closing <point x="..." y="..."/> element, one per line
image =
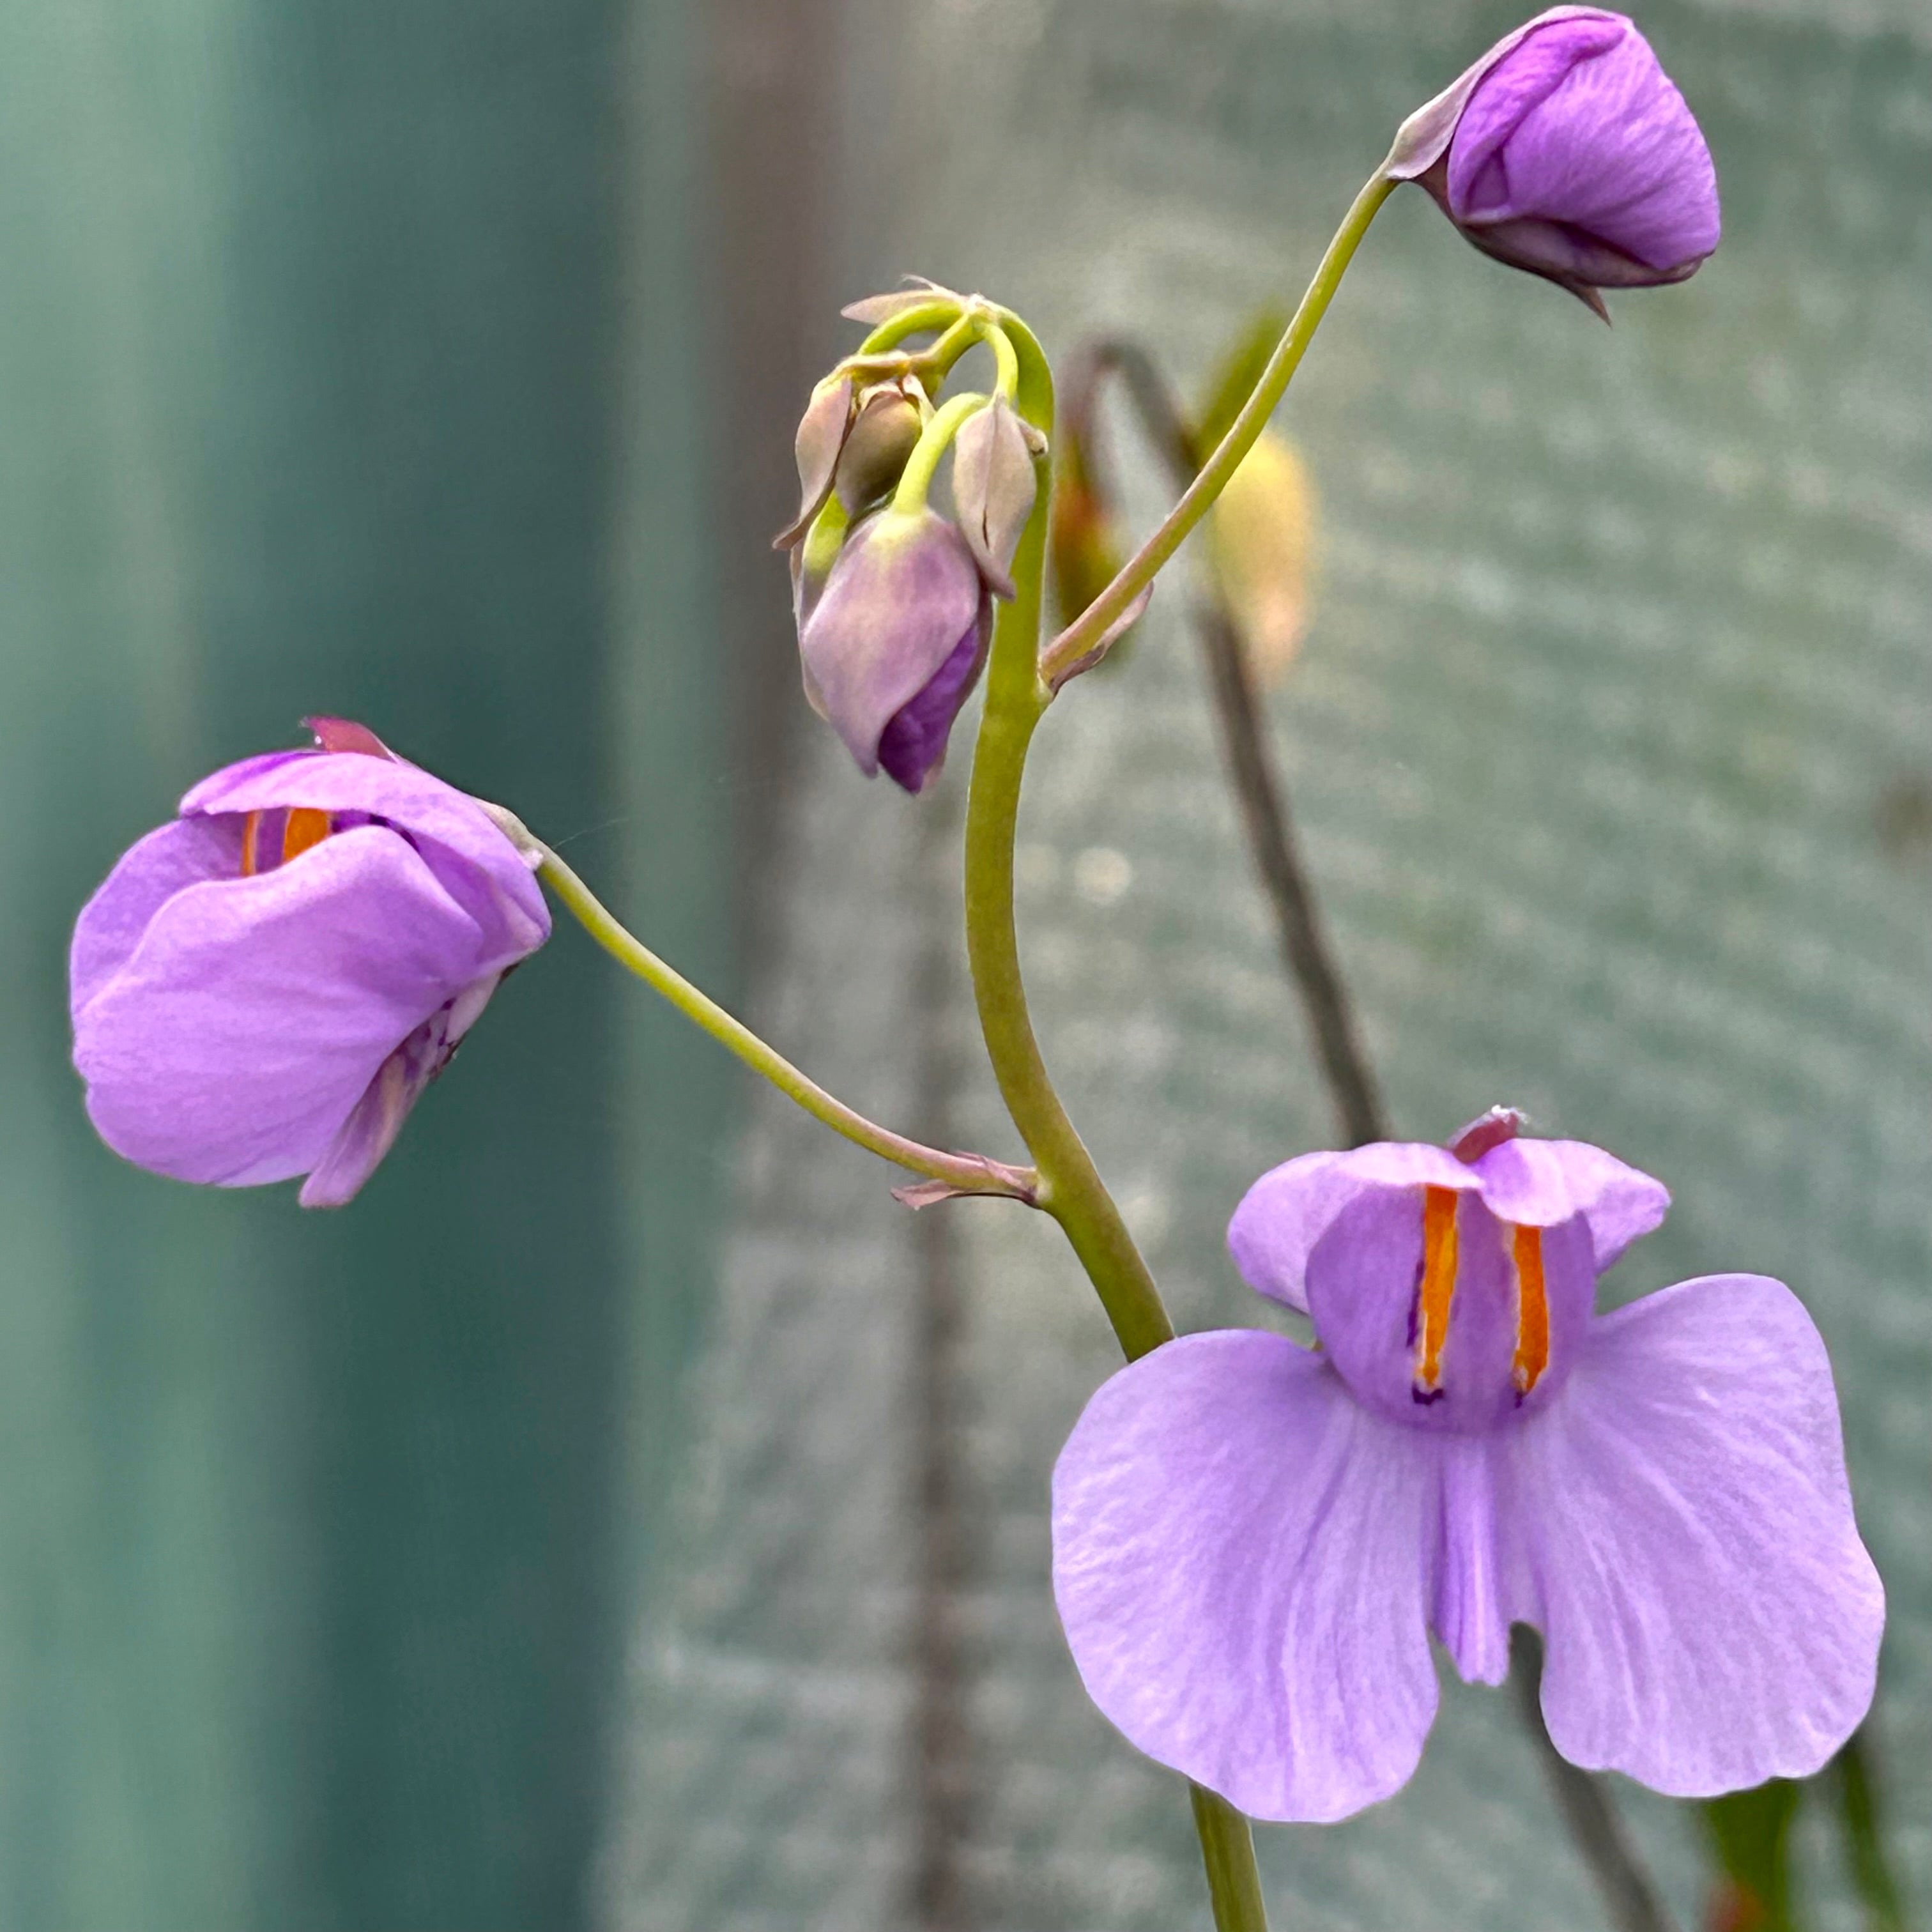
<point x="959" y="1173"/>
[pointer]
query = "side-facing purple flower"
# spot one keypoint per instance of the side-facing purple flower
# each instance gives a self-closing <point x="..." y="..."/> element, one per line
<point x="263" y="988"/>
<point x="895" y="639"/>
<point x="1566" y="150"/>
<point x="1253" y="1541"/>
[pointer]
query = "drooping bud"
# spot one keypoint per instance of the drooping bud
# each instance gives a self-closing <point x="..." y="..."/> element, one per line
<point x="895" y="640"/>
<point x="1261" y="530"/>
<point x="994" y="485"/>
<point x="852" y="443"/>
<point x="882" y="434"/>
<point x="821" y="435"/>
<point x="1566" y="150"/>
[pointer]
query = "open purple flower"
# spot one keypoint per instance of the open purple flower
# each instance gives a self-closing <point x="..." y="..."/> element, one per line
<point x="264" y="988"/>
<point x="1566" y="150"/>
<point x="1253" y="1541"/>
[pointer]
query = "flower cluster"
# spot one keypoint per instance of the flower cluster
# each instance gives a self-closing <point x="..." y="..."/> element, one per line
<point x="894" y="601"/>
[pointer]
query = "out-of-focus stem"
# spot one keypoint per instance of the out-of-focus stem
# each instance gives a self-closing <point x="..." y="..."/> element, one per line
<point x="1258" y="787"/>
<point x="963" y="1173"/>
<point x="1628" y="1895"/>
<point x="1086" y="631"/>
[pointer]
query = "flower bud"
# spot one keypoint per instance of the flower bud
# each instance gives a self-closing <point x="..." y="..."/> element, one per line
<point x="852" y="442"/>
<point x="1566" y="150"/>
<point x="821" y="436"/>
<point x="895" y="641"/>
<point x="994" y="486"/>
<point x="882" y="436"/>
<point x="1261" y="530"/>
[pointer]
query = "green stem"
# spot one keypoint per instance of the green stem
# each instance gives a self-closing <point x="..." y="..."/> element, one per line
<point x="1228" y="1851"/>
<point x="964" y="1173"/>
<point x="1086" y="631"/>
<point x="916" y="478"/>
<point x="1070" y="1189"/>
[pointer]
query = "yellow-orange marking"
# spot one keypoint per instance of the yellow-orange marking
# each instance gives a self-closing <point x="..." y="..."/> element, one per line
<point x="1532" y="1310"/>
<point x="1438" y="1281"/>
<point x="251" y="826"/>
<point x="306" y="827"/>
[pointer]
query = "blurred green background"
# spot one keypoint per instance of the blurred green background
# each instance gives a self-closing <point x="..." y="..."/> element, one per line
<point x="437" y="365"/>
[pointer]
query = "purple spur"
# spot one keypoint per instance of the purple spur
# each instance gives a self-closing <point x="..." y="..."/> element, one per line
<point x="263" y="988"/>
<point x="1254" y="1541"/>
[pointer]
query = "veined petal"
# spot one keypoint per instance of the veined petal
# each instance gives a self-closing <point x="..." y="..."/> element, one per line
<point x="1537" y="1183"/>
<point x="370" y="1130"/>
<point x="181" y="853"/>
<point x="407" y="796"/>
<point x="1240" y="1552"/>
<point x="1292" y="1207"/>
<point x="234" y="1041"/>
<point x="1685" y="1539"/>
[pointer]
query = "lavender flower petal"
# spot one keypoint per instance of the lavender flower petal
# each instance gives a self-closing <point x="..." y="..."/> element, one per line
<point x="147" y="875"/>
<point x="1538" y="1183"/>
<point x="1687" y="1544"/>
<point x="491" y="876"/>
<point x="903" y="594"/>
<point x="913" y="745"/>
<point x="367" y="1136"/>
<point x="1578" y="125"/>
<point x="1240" y="1560"/>
<point x="234" y="1040"/>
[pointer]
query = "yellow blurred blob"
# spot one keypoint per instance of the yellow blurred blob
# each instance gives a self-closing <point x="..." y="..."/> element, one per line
<point x="1262" y="538"/>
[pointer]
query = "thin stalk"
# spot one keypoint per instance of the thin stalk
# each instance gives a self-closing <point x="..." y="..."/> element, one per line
<point x="1086" y="630"/>
<point x="1070" y="1188"/>
<point x="961" y="1173"/>
<point x="1228" y="1851"/>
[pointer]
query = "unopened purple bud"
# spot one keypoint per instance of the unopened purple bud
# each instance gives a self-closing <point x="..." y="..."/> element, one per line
<point x="993" y="486"/>
<point x="1566" y="150"/>
<point x="892" y="646"/>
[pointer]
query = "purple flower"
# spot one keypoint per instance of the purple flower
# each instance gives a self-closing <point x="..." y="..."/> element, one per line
<point x="1566" y="150"/>
<point x="895" y="641"/>
<point x="1253" y="1541"/>
<point x="263" y="988"/>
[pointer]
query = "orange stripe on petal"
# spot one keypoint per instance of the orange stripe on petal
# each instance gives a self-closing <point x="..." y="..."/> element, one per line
<point x="1532" y="1316"/>
<point x="1438" y="1281"/>
<point x="306" y="827"/>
